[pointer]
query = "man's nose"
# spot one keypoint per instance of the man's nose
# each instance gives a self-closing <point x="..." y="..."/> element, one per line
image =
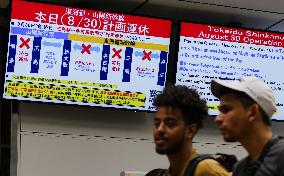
<point x="218" y="119"/>
<point x="161" y="127"/>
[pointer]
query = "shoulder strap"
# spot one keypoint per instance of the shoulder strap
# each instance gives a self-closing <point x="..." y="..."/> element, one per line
<point x="156" y="172"/>
<point x="194" y="162"/>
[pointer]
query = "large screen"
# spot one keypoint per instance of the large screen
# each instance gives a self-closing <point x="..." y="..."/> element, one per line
<point x="207" y="52"/>
<point x="77" y="56"/>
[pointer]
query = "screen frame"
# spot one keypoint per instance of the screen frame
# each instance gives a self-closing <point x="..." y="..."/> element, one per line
<point x="168" y="67"/>
<point x="217" y="25"/>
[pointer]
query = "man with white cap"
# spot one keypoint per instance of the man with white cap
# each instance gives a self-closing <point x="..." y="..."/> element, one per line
<point x="246" y="107"/>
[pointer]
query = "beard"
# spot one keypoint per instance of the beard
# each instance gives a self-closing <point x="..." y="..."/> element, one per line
<point x="171" y="147"/>
<point x="229" y="138"/>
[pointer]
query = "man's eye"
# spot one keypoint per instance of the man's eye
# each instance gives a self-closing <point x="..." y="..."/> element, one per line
<point x="156" y="123"/>
<point x="171" y="123"/>
<point x="224" y="109"/>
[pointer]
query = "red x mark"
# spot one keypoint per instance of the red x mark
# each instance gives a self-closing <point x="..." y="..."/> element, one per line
<point x="116" y="53"/>
<point x="86" y="49"/>
<point x="25" y="43"/>
<point x="147" y="55"/>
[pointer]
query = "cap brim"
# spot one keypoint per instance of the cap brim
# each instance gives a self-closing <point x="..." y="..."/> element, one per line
<point x="217" y="85"/>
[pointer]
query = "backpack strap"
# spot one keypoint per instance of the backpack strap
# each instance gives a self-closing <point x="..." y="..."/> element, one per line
<point x="194" y="162"/>
<point x="156" y="172"/>
<point x="227" y="160"/>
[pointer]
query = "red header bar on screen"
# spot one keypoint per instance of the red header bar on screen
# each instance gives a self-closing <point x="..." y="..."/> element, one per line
<point x="232" y="34"/>
<point x="53" y="14"/>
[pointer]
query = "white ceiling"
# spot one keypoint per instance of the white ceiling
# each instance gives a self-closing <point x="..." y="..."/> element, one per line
<point x="258" y="14"/>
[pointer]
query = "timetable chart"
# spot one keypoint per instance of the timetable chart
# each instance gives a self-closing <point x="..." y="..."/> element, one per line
<point x="209" y="52"/>
<point x="77" y="56"/>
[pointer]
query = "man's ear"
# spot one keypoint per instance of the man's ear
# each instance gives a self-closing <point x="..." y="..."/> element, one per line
<point x="253" y="112"/>
<point x="191" y="130"/>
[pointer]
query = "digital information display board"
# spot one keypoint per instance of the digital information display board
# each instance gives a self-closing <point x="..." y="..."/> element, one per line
<point x="207" y="52"/>
<point x="75" y="56"/>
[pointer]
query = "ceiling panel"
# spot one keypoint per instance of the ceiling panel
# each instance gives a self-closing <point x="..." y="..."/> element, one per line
<point x="121" y="6"/>
<point x="279" y="27"/>
<point x="257" y="14"/>
<point x="208" y="13"/>
<point x="275" y="6"/>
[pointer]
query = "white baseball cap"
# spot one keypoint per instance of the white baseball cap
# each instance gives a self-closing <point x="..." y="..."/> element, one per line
<point x="254" y="87"/>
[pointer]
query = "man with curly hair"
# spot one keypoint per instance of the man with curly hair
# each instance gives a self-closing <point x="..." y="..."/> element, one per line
<point x="179" y="115"/>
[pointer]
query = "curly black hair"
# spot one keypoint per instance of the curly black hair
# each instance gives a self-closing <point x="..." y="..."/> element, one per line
<point x="186" y="99"/>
